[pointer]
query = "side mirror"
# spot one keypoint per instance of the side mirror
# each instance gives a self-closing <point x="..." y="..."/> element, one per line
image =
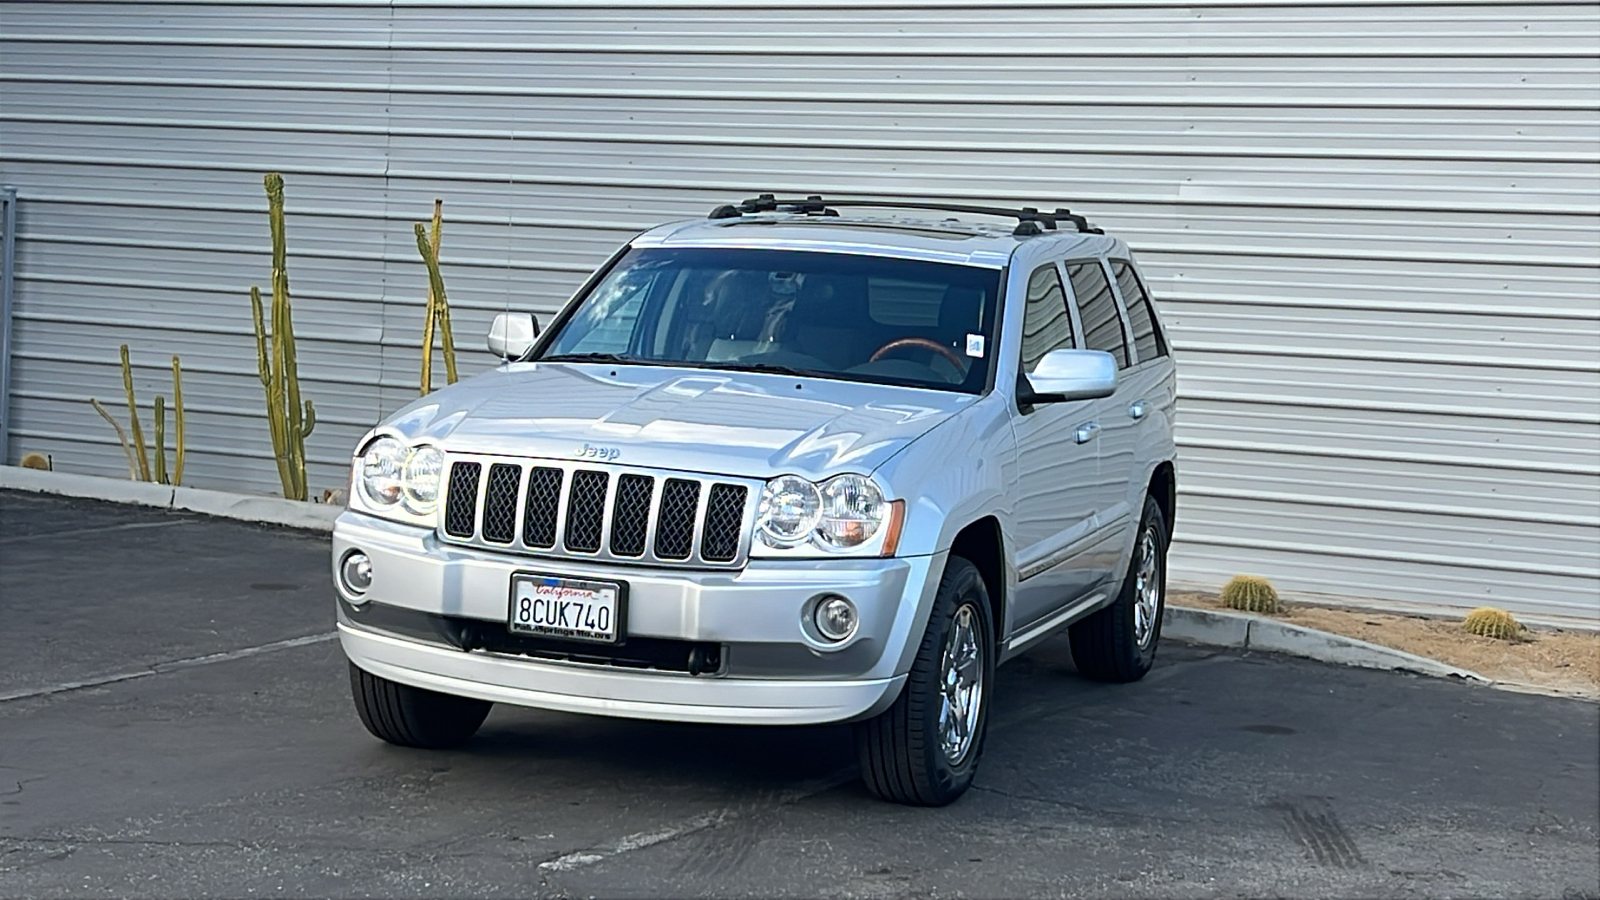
<point x="1064" y="375"/>
<point x="511" y="336"/>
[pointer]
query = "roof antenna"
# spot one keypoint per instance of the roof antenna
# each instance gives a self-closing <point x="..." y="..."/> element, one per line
<point x="511" y="206"/>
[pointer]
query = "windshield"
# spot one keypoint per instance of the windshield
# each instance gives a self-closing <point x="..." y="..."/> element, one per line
<point x="830" y="315"/>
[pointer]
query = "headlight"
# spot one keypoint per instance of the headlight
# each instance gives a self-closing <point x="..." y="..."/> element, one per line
<point x="421" y="479"/>
<point x="844" y="513"/>
<point x="382" y="472"/>
<point x="790" y="508"/>
<point x="852" y="511"/>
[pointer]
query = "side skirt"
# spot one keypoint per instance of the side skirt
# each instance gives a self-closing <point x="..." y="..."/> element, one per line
<point x="1043" y="629"/>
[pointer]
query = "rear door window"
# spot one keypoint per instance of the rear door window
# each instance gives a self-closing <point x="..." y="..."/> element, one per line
<point x="1147" y="337"/>
<point x="1097" y="308"/>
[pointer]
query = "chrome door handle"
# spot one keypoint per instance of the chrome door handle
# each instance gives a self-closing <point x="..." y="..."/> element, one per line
<point x="1086" y="433"/>
<point x="1137" y="409"/>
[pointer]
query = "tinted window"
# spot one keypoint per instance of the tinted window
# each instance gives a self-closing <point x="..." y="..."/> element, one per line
<point x="1097" y="307"/>
<point x="1045" y="325"/>
<point x="828" y="315"/>
<point x="1146" y="338"/>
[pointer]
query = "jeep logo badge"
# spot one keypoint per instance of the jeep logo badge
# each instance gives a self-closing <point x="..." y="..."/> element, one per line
<point x="589" y="451"/>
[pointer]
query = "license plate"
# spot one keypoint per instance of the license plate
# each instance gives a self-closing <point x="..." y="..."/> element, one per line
<point x="569" y="608"/>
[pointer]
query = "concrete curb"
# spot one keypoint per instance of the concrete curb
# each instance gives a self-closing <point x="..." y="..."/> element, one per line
<point x="1247" y="632"/>
<point x="245" y="507"/>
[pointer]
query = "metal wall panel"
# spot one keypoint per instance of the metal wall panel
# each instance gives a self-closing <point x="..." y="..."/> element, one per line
<point x="1373" y="227"/>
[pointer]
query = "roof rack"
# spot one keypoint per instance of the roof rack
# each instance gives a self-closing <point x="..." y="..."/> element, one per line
<point x="1030" y="221"/>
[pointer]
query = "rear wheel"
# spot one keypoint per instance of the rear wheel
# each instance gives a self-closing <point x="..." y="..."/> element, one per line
<point x="924" y="749"/>
<point x="411" y="716"/>
<point x="1118" y="643"/>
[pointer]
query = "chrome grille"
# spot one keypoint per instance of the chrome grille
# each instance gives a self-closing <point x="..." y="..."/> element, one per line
<point x="605" y="512"/>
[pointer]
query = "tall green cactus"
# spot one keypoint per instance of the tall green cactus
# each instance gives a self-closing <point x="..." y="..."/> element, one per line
<point x="177" y="415"/>
<point x="139" y="468"/>
<point x="133" y="415"/>
<point x="161" y="440"/>
<point x="289" y="419"/>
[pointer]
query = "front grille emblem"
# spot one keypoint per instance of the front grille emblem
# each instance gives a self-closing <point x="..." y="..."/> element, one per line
<point x="605" y="454"/>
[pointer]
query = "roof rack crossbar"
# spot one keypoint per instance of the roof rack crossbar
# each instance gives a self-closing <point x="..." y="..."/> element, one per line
<point x="1030" y="221"/>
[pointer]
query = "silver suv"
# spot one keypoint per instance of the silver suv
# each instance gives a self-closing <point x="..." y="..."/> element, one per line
<point x="797" y="462"/>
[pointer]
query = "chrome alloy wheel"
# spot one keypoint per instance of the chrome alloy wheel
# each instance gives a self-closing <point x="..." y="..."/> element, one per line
<point x="960" y="685"/>
<point x="1146" y="586"/>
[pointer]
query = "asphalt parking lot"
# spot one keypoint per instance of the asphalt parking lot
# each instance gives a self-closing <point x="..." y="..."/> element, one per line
<point x="175" y="722"/>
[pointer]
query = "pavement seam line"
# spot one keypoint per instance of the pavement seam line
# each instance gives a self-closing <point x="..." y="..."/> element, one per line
<point x="577" y="859"/>
<point x="99" y="529"/>
<point x="170" y="666"/>
<point x="637" y="841"/>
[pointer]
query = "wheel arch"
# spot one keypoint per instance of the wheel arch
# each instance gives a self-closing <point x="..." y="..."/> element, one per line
<point x="1164" y="489"/>
<point x="982" y="543"/>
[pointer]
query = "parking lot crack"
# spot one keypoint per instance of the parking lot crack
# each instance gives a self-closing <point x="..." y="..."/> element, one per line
<point x="580" y="858"/>
<point x="162" y="668"/>
<point x="588" y="856"/>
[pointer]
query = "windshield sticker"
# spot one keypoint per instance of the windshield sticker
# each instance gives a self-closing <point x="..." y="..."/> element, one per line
<point x="975" y="346"/>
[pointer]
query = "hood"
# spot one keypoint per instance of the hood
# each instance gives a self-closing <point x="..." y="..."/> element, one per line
<point x="753" y="425"/>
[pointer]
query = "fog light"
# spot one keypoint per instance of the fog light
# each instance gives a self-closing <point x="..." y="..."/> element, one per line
<point x="355" y="573"/>
<point x="835" y="617"/>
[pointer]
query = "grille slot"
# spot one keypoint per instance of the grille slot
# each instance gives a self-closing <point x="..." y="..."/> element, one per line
<point x="630" y="514"/>
<point x="500" y="503"/>
<point x="586" y="510"/>
<point x="542" y="507"/>
<point x="675" y="523"/>
<point x="724" y="516"/>
<point x="460" y="513"/>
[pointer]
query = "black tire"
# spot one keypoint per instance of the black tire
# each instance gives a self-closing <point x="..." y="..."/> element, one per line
<point x="902" y="758"/>
<point x="414" y="717"/>
<point x="1105" y="646"/>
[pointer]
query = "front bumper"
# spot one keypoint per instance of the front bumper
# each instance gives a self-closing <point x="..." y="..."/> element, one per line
<point x="771" y="671"/>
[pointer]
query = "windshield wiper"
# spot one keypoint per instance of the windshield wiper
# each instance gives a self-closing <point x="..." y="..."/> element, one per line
<point x="772" y="368"/>
<point x="588" y="357"/>
<point x="731" y="366"/>
<point x="609" y="358"/>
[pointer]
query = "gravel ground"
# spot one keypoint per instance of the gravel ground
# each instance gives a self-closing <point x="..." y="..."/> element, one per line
<point x="1550" y="658"/>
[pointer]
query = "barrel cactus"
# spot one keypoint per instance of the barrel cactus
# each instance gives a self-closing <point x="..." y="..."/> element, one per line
<point x="1486" y="621"/>
<point x="1251" y="593"/>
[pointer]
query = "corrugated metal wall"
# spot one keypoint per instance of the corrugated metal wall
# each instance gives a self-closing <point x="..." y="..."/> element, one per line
<point x="1372" y="226"/>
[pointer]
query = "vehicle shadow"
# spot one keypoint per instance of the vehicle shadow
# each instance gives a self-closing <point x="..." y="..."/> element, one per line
<point x="543" y="745"/>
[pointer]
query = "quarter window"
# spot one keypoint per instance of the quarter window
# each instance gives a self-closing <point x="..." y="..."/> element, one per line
<point x="1097" y="307"/>
<point x="1146" y="336"/>
<point x="1045" y="325"/>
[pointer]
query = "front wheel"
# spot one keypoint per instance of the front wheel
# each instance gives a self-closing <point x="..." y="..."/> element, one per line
<point x="1118" y="643"/>
<point x="923" y="750"/>
<point x="411" y="716"/>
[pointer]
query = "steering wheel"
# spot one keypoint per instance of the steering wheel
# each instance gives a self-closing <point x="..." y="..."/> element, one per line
<point x="924" y="343"/>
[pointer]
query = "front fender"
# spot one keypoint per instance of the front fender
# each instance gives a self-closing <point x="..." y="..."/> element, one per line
<point x="957" y="473"/>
